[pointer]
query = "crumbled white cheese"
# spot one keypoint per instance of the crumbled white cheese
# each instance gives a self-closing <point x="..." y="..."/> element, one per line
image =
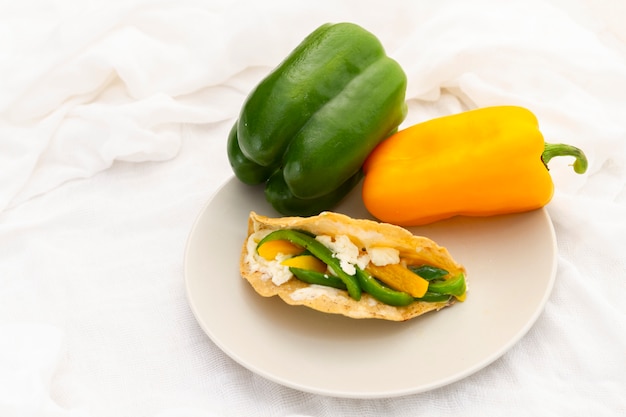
<point x="274" y="270"/>
<point x="363" y="260"/>
<point x="345" y="251"/>
<point x="381" y="256"/>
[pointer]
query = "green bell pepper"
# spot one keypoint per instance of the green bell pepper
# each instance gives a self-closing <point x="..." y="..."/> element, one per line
<point x="318" y="278"/>
<point x="282" y="199"/>
<point x="380" y="292"/>
<point x="428" y="272"/>
<point x="454" y="286"/>
<point x="311" y="123"/>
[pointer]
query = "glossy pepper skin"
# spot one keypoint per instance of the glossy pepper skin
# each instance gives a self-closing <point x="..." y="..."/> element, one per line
<point x="481" y="162"/>
<point x="306" y="129"/>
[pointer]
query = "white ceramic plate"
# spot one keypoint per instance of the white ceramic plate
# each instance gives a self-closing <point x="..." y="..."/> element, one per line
<point x="511" y="266"/>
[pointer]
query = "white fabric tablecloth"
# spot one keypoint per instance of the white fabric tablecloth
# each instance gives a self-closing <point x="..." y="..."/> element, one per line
<point x="113" y="124"/>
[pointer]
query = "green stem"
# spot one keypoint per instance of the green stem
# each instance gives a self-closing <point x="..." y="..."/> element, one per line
<point x="551" y="150"/>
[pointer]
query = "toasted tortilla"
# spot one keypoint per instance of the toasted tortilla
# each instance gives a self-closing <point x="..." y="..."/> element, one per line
<point x="367" y="233"/>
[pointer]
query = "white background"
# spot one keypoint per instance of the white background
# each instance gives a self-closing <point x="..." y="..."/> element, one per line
<point x="113" y="124"/>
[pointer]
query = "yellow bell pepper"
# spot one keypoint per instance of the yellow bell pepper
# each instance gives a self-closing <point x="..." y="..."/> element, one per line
<point x="269" y="250"/>
<point x="481" y="162"/>
<point x="399" y="278"/>
<point x="308" y="262"/>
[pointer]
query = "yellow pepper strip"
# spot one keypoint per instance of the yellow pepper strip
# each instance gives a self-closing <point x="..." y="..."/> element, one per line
<point x="481" y="162"/>
<point x="399" y="278"/>
<point x="308" y="262"/>
<point x="270" y="249"/>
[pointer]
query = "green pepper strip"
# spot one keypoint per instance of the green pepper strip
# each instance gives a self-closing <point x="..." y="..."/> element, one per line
<point x="432" y="297"/>
<point x="318" y="278"/>
<point x="429" y="272"/>
<point x="321" y="252"/>
<point x="380" y="292"/>
<point x="370" y="285"/>
<point x="453" y="286"/>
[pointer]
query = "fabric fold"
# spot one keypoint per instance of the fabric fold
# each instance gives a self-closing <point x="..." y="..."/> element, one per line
<point x="29" y="356"/>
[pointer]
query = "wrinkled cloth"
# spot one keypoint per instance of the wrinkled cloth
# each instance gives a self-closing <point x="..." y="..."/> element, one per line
<point x="113" y="126"/>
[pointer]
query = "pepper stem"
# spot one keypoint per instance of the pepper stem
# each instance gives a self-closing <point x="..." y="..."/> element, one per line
<point x="551" y="150"/>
